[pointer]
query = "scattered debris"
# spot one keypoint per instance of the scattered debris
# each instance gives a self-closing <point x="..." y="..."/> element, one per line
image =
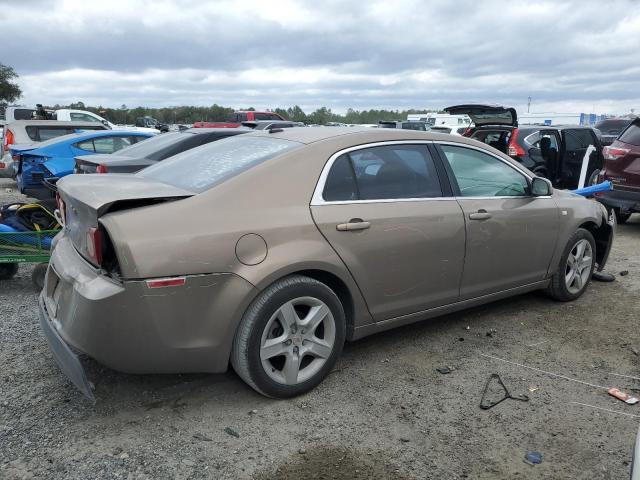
<point x="188" y="463"/>
<point x="445" y="370"/>
<point x="231" y="432"/>
<point x="253" y="412"/>
<point x="467" y="327"/>
<point x="461" y="339"/>
<point x="507" y="395"/>
<point x="204" y="438"/>
<point x="404" y="440"/>
<point x="386" y="360"/>
<point x="534" y="458"/>
<point x="624" y="273"/>
<point x="635" y="351"/>
<point x="625" y="397"/>
<point x="124" y="455"/>
<point x="564" y="377"/>
<point x="533" y="389"/>
<point x="491" y="331"/>
<point x="302" y="451"/>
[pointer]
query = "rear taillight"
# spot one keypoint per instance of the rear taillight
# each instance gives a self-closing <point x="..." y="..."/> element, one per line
<point x="94" y="245"/>
<point x="101" y="169"/>
<point x="8" y="140"/>
<point x="62" y="209"/>
<point x="468" y="132"/>
<point x="3" y="165"/>
<point x="614" y="153"/>
<point x="514" y="149"/>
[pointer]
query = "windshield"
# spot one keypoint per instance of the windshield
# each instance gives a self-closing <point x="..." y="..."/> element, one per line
<point x="201" y="168"/>
<point x="152" y="145"/>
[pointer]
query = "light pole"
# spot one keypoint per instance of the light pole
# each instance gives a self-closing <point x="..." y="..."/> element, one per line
<point x="528" y="104"/>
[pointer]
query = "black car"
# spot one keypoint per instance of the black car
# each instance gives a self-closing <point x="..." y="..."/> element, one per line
<point x="144" y="154"/>
<point x="405" y="125"/>
<point x="271" y="124"/>
<point x="554" y="152"/>
<point x="610" y="128"/>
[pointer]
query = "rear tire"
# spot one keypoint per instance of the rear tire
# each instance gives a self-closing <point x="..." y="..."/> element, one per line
<point x="8" y="270"/>
<point x="289" y="338"/>
<point x="621" y="217"/>
<point x="575" y="269"/>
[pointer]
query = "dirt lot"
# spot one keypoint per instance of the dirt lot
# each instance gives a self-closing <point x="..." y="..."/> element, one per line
<point x="385" y="412"/>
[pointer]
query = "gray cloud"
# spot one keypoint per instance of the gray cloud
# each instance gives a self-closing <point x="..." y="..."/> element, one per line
<point x="409" y="53"/>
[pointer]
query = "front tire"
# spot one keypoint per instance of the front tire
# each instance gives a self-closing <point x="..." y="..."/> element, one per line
<point x="290" y="337"/>
<point x="576" y="266"/>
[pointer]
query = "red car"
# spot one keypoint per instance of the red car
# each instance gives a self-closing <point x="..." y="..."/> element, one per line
<point x="236" y="119"/>
<point x="622" y="168"/>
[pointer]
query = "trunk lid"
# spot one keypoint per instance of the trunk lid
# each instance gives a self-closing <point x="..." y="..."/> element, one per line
<point x="486" y="114"/>
<point x="86" y="198"/>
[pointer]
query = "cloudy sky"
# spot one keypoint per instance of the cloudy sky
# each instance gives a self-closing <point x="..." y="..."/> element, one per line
<point x="569" y="56"/>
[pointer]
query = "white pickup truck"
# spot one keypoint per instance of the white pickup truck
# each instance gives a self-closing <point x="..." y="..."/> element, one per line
<point x="67" y="115"/>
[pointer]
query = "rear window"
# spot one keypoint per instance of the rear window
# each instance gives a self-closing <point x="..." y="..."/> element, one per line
<point x="631" y="134"/>
<point x="266" y="116"/>
<point x="612" y="127"/>
<point x="23" y="113"/>
<point x="153" y="145"/>
<point x="42" y="133"/>
<point x="203" y="167"/>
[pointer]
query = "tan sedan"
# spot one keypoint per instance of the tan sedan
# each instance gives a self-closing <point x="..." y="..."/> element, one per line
<point x="269" y="250"/>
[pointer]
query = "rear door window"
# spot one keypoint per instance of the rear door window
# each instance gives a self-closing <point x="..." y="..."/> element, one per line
<point x="383" y="173"/>
<point x="631" y="134"/>
<point x="44" y="133"/>
<point x="578" y="139"/>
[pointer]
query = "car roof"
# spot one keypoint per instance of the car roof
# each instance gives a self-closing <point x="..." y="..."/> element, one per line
<point x="231" y="131"/>
<point x="309" y="135"/>
<point x="54" y="123"/>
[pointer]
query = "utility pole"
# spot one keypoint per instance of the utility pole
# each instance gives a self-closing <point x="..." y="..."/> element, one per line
<point x="528" y="104"/>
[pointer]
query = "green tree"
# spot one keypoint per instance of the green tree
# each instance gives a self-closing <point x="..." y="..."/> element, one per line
<point x="9" y="91"/>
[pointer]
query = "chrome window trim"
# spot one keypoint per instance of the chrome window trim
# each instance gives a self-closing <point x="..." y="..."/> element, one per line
<point x="317" y="198"/>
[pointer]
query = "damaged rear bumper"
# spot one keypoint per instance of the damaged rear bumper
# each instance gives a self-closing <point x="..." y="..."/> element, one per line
<point x="132" y="328"/>
<point x="66" y="359"/>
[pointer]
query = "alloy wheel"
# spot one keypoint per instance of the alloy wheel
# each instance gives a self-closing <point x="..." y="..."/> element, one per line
<point x="297" y="340"/>
<point x="578" y="268"/>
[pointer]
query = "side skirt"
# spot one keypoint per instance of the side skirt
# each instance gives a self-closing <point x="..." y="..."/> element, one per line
<point x="370" y="329"/>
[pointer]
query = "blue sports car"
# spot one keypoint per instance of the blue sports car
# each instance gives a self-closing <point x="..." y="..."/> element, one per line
<point x="56" y="157"/>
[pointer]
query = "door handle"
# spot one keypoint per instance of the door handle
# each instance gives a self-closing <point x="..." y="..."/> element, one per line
<point x="353" y="225"/>
<point x="480" y="215"/>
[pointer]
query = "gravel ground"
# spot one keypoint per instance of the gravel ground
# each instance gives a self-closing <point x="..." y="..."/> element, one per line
<point x="385" y="412"/>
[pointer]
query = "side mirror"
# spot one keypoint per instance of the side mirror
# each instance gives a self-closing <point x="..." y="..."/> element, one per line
<point x="541" y="187"/>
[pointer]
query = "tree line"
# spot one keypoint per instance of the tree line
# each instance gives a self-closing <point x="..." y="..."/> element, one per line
<point x="218" y="113"/>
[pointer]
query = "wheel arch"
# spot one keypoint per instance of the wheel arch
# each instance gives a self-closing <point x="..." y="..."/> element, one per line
<point x="341" y="282"/>
<point x="602" y="234"/>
